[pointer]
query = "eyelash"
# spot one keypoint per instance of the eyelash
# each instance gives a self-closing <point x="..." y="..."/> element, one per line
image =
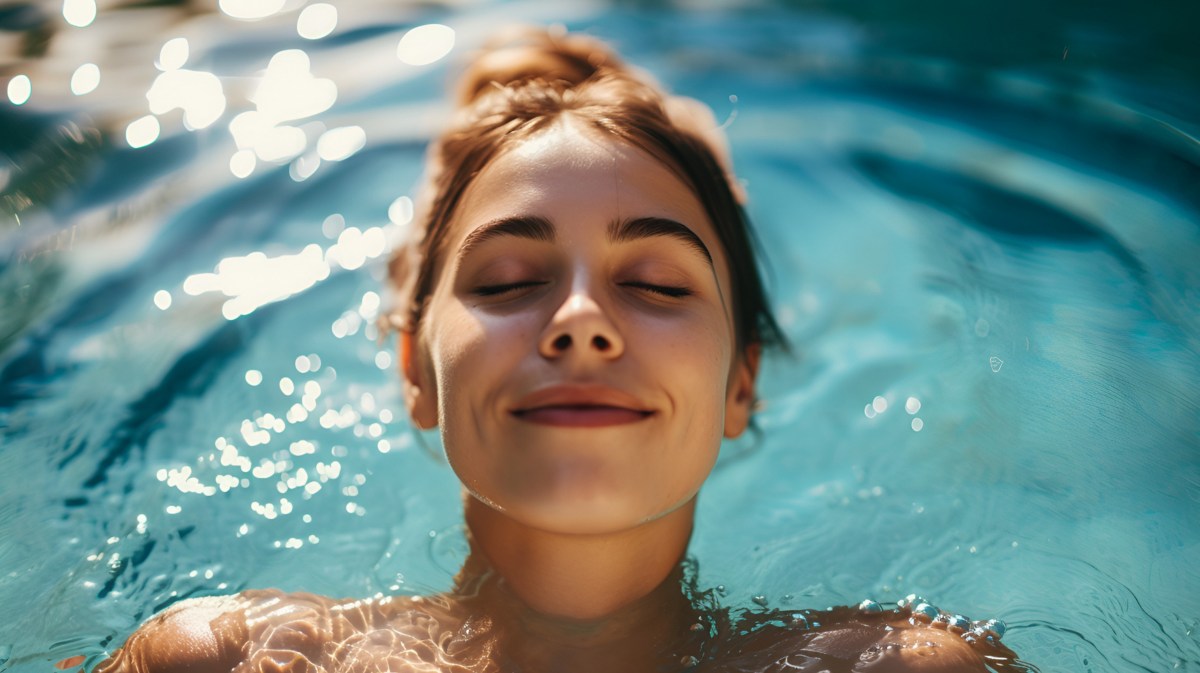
<point x="671" y="291"/>
<point x="674" y="292"/>
<point x="505" y="288"/>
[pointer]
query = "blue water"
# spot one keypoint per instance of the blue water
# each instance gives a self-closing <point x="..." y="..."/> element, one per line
<point x="983" y="249"/>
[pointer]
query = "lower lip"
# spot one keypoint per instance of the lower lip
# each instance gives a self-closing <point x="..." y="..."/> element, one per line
<point x="582" y="417"/>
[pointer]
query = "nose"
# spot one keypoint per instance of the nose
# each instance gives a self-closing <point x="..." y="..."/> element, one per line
<point x="583" y="328"/>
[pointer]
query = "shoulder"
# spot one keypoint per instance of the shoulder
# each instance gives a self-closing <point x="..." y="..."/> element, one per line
<point x="216" y="633"/>
<point x="200" y="634"/>
<point x="221" y="633"/>
<point x="847" y="640"/>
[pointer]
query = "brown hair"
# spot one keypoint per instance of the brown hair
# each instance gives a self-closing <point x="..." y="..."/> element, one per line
<point x="523" y="82"/>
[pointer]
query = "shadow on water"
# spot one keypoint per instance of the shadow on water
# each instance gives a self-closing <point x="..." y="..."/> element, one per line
<point x="1011" y="217"/>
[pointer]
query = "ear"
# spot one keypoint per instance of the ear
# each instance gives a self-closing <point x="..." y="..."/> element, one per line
<point x="739" y="398"/>
<point x="420" y="393"/>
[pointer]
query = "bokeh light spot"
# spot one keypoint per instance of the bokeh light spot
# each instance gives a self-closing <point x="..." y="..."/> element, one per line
<point x="19" y="89"/>
<point x="142" y="131"/>
<point x="85" y="79"/>
<point x="425" y="44"/>
<point x="79" y="13"/>
<point x="317" y="21"/>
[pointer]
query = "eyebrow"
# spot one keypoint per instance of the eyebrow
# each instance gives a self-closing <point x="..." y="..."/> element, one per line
<point x="649" y="227"/>
<point x="537" y="228"/>
<point x="528" y="226"/>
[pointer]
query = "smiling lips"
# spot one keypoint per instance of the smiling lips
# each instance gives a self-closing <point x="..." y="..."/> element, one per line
<point x="581" y="407"/>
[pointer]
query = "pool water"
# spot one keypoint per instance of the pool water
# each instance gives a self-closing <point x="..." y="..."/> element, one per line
<point x="986" y="263"/>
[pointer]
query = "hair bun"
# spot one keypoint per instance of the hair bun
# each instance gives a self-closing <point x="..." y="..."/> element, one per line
<point x="528" y="52"/>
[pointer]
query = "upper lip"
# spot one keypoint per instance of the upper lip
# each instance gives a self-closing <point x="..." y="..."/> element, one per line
<point x="579" y="395"/>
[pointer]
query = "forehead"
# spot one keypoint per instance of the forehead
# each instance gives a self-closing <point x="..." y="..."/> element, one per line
<point x="570" y="174"/>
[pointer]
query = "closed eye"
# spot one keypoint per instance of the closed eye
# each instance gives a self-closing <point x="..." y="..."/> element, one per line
<point x="506" y="288"/>
<point x="673" y="291"/>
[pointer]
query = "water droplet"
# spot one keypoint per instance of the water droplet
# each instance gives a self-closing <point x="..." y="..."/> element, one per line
<point x="912" y="405"/>
<point x="925" y="612"/>
<point x="995" y="363"/>
<point x="917" y="424"/>
<point x="959" y="624"/>
<point x="869" y="605"/>
<point x="760" y="600"/>
<point x="879" y="404"/>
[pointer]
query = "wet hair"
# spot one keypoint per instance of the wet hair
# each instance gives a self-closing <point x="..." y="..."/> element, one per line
<point x="520" y="84"/>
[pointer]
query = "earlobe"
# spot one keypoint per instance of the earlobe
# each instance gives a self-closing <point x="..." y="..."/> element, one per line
<point x="419" y="392"/>
<point x="740" y="398"/>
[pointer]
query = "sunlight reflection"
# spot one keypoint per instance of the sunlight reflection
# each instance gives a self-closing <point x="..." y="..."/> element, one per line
<point x="287" y="91"/>
<point x="162" y="299"/>
<point x="383" y="360"/>
<point x="400" y="212"/>
<point x="304" y="166"/>
<point x="317" y="21"/>
<point x="85" y="79"/>
<point x="19" y="89"/>
<point x="255" y="280"/>
<point x="254" y="131"/>
<point x="340" y="143"/>
<point x="251" y="10"/>
<point x="198" y="94"/>
<point x="173" y="55"/>
<point x="425" y="44"/>
<point x="79" y="13"/>
<point x="333" y="225"/>
<point x="242" y="163"/>
<point x="142" y="131"/>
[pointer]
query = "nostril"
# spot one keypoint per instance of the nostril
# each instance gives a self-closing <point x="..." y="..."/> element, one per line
<point x="601" y="343"/>
<point x="563" y="342"/>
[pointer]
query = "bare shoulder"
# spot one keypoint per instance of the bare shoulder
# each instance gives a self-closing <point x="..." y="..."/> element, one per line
<point x="847" y="640"/>
<point x="288" y="631"/>
<point x="200" y="634"/>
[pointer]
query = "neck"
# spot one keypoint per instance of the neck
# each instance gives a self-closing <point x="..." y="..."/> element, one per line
<point x="581" y="602"/>
<point x="581" y="577"/>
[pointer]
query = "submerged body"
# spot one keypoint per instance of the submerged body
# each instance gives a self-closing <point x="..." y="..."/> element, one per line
<point x="488" y="630"/>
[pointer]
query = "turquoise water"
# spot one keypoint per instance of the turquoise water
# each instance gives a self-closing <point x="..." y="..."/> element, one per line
<point x="981" y="242"/>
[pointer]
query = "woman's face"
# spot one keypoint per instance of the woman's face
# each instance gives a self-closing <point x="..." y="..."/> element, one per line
<point x="578" y="349"/>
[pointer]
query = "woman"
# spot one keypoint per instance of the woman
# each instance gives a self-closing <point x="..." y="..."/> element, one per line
<point x="582" y="317"/>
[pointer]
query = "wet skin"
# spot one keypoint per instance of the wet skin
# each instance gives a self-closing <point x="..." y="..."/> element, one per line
<point x="270" y="631"/>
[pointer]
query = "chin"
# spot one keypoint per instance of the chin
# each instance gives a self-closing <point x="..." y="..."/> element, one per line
<point x="577" y="510"/>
